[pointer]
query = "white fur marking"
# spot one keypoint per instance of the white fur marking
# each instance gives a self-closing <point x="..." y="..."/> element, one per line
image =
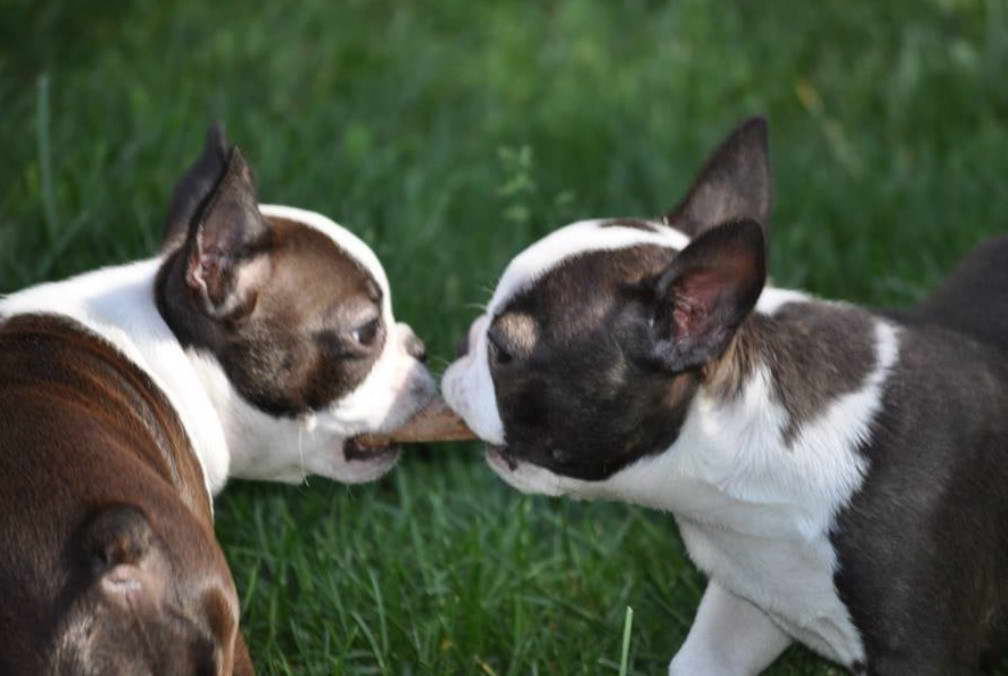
<point x="574" y="239"/>
<point x="468" y="387"/>
<point x="729" y="637"/>
<point x="343" y="238"/>
<point x="773" y="298"/>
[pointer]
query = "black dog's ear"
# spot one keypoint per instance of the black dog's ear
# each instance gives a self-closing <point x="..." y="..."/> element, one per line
<point x="706" y="293"/>
<point x="735" y="184"/>
<point x="226" y="262"/>
<point x="194" y="188"/>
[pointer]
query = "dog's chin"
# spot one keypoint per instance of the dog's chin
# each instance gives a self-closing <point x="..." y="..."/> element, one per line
<point x="360" y="464"/>
<point x="521" y="474"/>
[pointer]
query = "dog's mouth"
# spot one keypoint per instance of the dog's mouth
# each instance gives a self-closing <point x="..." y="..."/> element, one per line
<point x="435" y="422"/>
<point x="501" y="457"/>
<point x="365" y="448"/>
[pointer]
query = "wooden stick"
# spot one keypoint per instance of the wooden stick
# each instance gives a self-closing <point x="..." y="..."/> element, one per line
<point x="437" y="422"/>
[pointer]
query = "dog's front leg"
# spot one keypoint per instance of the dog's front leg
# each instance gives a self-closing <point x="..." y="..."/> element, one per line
<point x="729" y="637"/>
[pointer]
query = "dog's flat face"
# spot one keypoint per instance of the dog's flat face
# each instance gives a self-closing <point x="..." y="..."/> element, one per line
<point x="289" y="319"/>
<point x="598" y="336"/>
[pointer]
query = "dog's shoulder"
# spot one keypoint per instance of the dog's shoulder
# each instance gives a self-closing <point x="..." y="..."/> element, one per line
<point x="117" y="305"/>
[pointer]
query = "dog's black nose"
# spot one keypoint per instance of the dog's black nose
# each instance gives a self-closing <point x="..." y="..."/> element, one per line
<point x="462" y="347"/>
<point x="416" y="348"/>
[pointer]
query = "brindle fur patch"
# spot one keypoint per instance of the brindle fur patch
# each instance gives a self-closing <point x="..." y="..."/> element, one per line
<point x="816" y="352"/>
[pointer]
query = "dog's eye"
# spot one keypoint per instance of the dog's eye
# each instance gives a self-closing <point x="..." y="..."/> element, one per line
<point x="498" y="355"/>
<point x="365" y="334"/>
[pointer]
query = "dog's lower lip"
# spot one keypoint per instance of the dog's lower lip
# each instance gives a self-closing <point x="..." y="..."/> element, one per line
<point x="502" y="453"/>
<point x="354" y="451"/>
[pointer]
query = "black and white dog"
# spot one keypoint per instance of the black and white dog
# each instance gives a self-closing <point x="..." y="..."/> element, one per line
<point x="841" y="475"/>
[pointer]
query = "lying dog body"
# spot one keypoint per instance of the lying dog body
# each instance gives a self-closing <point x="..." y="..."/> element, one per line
<point x="256" y="345"/>
<point x="839" y="474"/>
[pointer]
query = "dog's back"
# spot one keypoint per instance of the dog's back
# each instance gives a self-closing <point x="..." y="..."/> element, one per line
<point x="108" y="562"/>
<point x="973" y="299"/>
<point x="932" y="511"/>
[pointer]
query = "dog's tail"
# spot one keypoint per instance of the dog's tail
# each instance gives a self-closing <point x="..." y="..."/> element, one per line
<point x="974" y="298"/>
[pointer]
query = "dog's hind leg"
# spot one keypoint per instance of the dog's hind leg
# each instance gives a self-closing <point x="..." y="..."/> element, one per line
<point x="729" y="637"/>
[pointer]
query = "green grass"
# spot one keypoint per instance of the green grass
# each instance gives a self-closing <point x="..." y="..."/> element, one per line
<point x="449" y="135"/>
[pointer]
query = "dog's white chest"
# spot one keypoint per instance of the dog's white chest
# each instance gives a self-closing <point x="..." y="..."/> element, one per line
<point x="790" y="580"/>
<point x="755" y="511"/>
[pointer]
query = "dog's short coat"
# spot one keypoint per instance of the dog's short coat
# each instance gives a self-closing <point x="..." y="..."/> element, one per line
<point x="841" y="475"/>
<point x="256" y="345"/>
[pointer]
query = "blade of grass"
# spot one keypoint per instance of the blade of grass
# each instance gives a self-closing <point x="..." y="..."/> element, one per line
<point x="627" y="628"/>
<point x="42" y="121"/>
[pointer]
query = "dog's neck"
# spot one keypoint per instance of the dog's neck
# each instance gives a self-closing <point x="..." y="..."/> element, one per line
<point x="253" y="435"/>
<point x="777" y="424"/>
<point x="117" y="304"/>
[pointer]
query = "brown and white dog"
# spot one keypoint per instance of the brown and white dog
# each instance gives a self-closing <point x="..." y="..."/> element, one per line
<point x="258" y="344"/>
<point x="841" y="475"/>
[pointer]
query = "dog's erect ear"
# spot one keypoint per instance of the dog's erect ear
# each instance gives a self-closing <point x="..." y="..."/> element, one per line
<point x="735" y="184"/>
<point x="227" y="262"/>
<point x="706" y="293"/>
<point x="195" y="187"/>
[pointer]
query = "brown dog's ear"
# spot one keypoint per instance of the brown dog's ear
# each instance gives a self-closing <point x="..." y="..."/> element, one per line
<point x="226" y="251"/>
<point x="117" y="535"/>
<point x="194" y="188"/>
<point x="120" y="551"/>
<point x="735" y="184"/>
<point x="706" y="293"/>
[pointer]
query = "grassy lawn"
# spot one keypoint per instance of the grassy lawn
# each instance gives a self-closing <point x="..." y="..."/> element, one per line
<point x="449" y="135"/>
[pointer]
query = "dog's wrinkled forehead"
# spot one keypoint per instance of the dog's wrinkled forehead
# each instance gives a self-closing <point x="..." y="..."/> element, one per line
<point x="345" y="240"/>
<point x="577" y="239"/>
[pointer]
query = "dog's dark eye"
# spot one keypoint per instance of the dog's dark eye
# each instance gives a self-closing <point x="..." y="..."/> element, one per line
<point x="365" y="334"/>
<point x="498" y="355"/>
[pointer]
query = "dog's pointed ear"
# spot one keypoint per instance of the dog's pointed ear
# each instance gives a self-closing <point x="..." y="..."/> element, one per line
<point x="194" y="188"/>
<point x="227" y="252"/>
<point x="706" y="293"/>
<point x="736" y="183"/>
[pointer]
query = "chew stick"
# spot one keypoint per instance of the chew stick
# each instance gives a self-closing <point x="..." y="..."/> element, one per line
<point x="437" y="422"/>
